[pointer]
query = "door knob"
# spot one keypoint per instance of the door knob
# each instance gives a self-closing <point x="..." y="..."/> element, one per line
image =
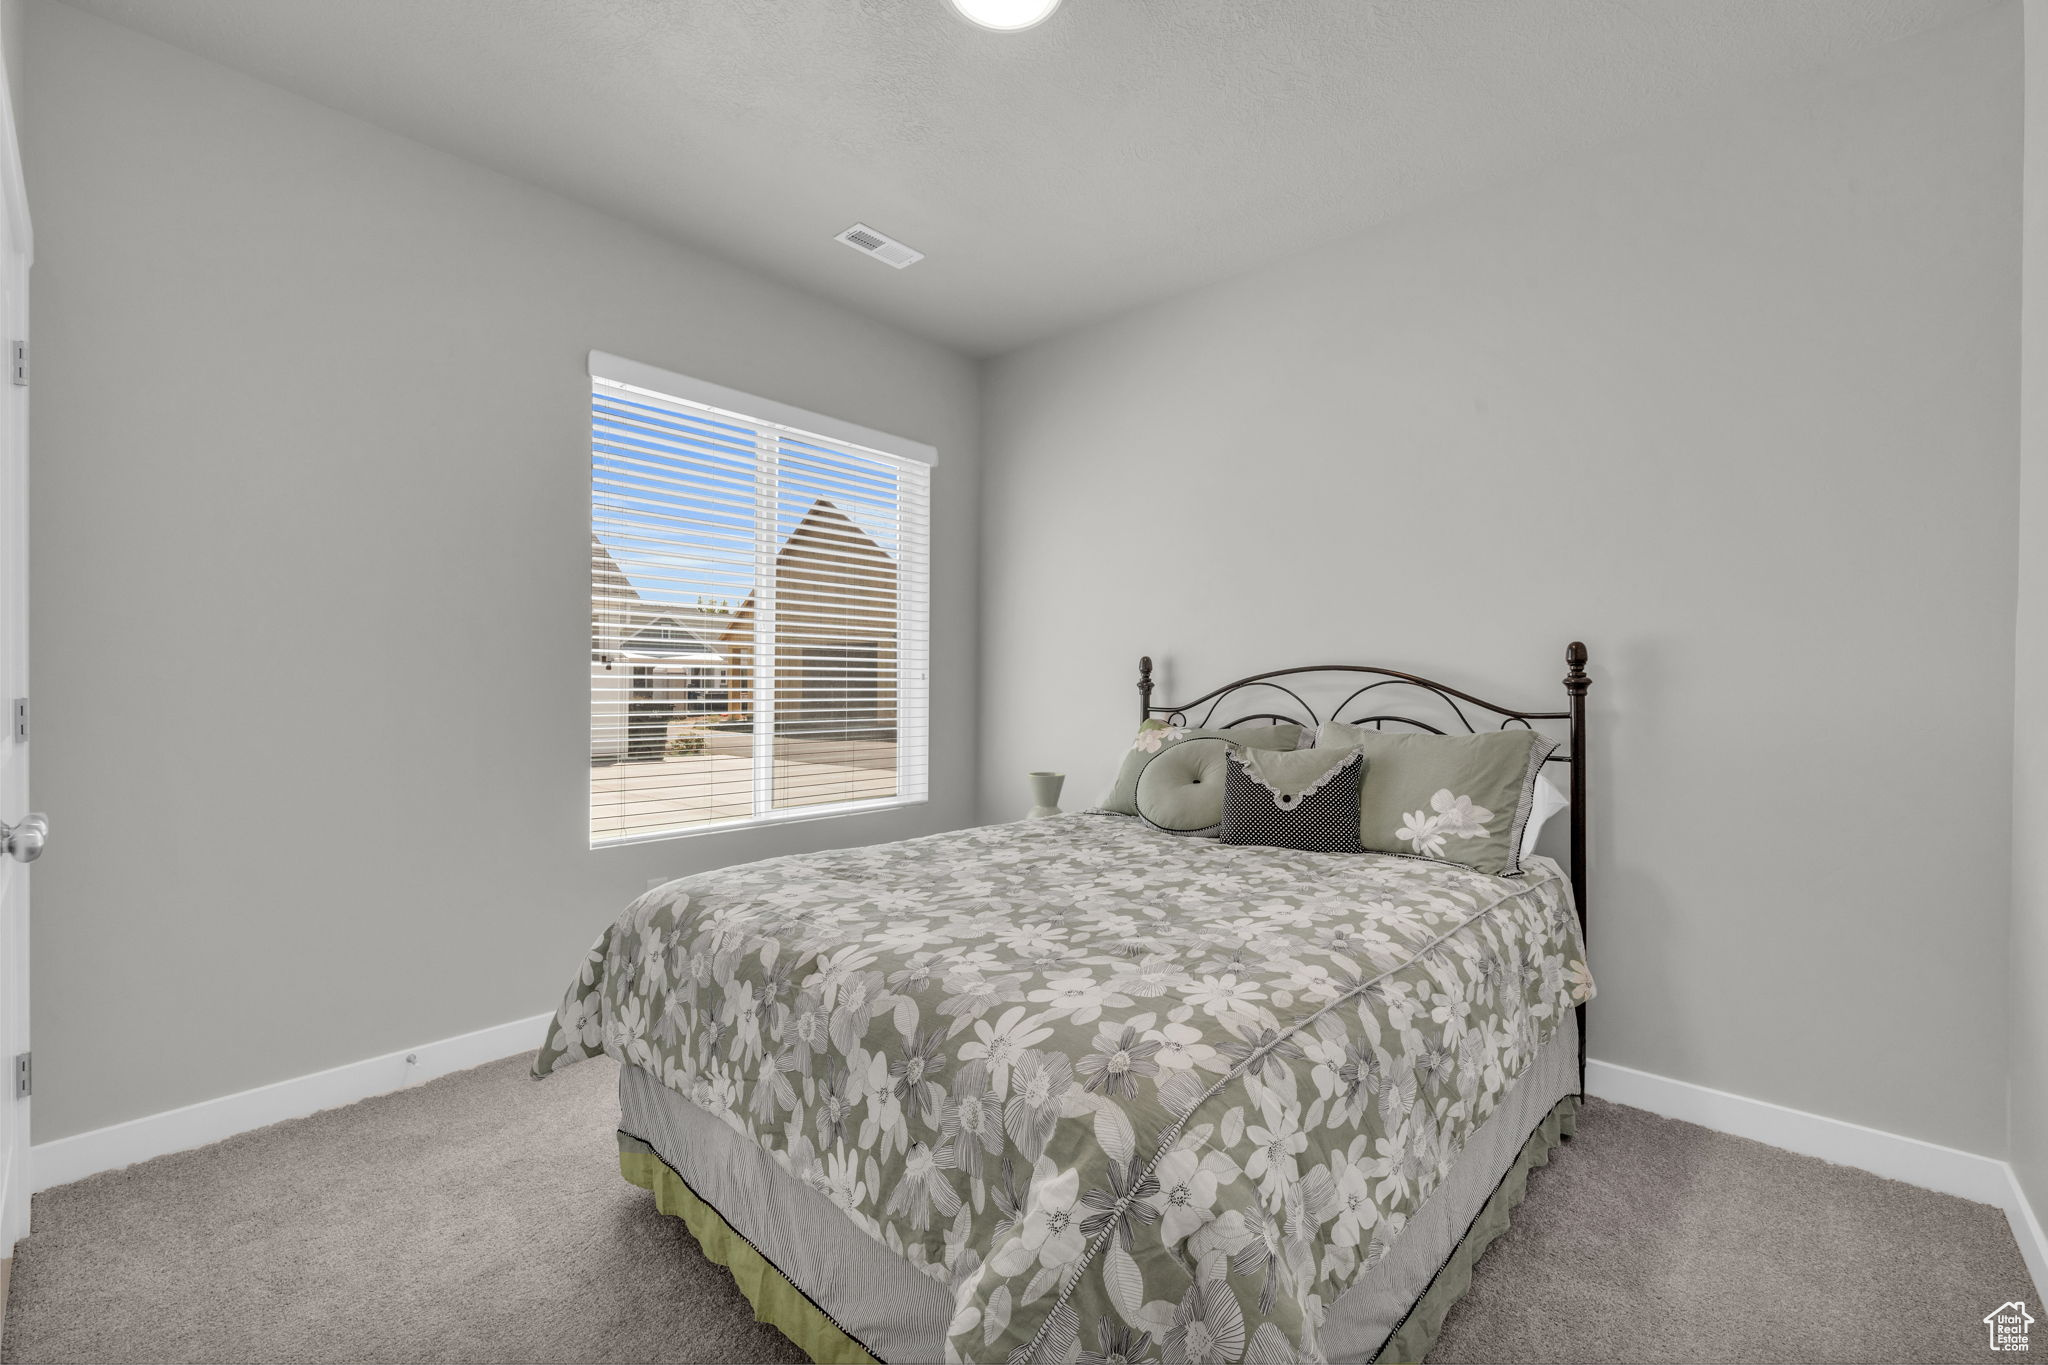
<point x="24" y="842"/>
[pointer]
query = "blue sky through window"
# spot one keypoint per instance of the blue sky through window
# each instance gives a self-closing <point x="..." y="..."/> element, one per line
<point x="674" y="490"/>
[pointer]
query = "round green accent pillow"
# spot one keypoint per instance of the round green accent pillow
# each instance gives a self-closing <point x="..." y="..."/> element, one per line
<point x="1181" y="789"/>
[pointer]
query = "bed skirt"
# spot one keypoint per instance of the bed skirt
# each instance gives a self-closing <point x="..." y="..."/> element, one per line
<point x="776" y="1301"/>
<point x="1412" y="1340"/>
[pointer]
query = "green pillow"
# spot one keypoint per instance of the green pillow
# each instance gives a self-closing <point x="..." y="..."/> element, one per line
<point x="1450" y="798"/>
<point x="1181" y="789"/>
<point x="1156" y="736"/>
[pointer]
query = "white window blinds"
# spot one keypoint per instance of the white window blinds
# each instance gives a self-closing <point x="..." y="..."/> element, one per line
<point x="759" y="606"/>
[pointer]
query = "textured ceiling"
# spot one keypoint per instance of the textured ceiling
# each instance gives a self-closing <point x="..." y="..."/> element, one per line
<point x="1121" y="152"/>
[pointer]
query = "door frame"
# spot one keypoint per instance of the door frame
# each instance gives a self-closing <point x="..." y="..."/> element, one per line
<point x="17" y="252"/>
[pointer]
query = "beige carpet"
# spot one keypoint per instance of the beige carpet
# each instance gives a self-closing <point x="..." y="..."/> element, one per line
<point x="481" y="1218"/>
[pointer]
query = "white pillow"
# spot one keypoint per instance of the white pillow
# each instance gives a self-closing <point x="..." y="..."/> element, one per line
<point x="1547" y="801"/>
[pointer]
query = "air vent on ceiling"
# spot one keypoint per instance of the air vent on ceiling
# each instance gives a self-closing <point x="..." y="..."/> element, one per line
<point x="880" y="245"/>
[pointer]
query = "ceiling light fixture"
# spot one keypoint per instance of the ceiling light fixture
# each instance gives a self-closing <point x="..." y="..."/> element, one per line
<point x="1007" y="16"/>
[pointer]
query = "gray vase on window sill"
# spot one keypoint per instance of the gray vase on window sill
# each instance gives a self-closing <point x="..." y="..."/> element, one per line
<point x="1045" y="794"/>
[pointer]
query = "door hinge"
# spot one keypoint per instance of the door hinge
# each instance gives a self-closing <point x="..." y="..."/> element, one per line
<point x="24" y="1076"/>
<point x="20" y="363"/>
<point x="20" y="719"/>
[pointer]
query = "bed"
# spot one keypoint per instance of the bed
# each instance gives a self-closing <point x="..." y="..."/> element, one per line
<point x="1076" y="1090"/>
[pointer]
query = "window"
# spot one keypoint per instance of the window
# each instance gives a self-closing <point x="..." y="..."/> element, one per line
<point x="759" y="600"/>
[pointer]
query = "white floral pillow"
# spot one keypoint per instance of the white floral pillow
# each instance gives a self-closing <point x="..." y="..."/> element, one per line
<point x="1452" y="798"/>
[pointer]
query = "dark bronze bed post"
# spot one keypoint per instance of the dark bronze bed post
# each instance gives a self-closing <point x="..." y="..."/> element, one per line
<point x="1144" y="688"/>
<point x="1575" y="683"/>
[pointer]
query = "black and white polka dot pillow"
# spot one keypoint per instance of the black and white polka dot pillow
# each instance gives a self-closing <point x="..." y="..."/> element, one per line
<point x="1319" y="815"/>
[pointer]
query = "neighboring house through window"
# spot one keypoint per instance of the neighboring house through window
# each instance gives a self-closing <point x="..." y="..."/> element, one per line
<point x="759" y="594"/>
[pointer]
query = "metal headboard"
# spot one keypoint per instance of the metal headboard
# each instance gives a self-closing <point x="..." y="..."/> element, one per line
<point x="1575" y="684"/>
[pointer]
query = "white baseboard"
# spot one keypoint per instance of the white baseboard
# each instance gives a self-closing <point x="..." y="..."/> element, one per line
<point x="1987" y="1180"/>
<point x="2026" y="1230"/>
<point x="1926" y="1164"/>
<point x="123" y="1144"/>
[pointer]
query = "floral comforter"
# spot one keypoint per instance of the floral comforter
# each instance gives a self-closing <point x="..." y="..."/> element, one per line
<point x="1128" y="1095"/>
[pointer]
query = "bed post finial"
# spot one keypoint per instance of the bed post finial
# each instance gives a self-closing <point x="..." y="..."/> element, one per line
<point x="1576" y="682"/>
<point x="1144" y="688"/>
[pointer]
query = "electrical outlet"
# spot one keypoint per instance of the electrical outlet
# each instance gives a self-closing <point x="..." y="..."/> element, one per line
<point x="24" y="1076"/>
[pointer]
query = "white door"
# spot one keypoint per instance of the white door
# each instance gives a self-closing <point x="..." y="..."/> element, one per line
<point x="23" y="838"/>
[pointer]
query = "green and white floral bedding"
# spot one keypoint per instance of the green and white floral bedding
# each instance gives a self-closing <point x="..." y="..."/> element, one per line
<point x="1130" y="1096"/>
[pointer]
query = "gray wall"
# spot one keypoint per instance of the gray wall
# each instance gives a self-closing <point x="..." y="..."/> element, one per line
<point x="1734" y="402"/>
<point x="311" y="535"/>
<point x="2029" y="956"/>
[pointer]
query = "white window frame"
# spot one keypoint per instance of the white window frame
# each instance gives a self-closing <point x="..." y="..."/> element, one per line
<point x="913" y="663"/>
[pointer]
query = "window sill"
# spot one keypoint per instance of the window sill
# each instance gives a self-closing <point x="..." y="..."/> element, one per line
<point x="796" y="815"/>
